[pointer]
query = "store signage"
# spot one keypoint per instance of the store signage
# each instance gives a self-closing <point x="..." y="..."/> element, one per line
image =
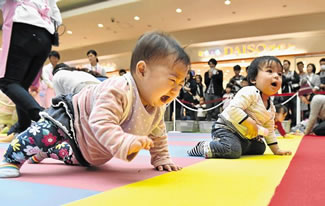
<point x="244" y="50"/>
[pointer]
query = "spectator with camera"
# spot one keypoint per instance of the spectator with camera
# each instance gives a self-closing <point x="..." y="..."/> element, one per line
<point x="213" y="80"/>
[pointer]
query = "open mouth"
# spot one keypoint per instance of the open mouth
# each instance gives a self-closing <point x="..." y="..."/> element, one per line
<point x="274" y="84"/>
<point x="164" y="98"/>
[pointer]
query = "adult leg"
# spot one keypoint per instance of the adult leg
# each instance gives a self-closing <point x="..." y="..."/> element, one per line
<point x="208" y="99"/>
<point x="217" y="110"/>
<point x="293" y="108"/>
<point x="28" y="50"/>
<point x="319" y="130"/>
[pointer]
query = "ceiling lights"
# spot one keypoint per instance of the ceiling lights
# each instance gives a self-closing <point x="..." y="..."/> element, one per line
<point x="178" y="10"/>
<point x="227" y="2"/>
<point x="136" y="18"/>
<point x="100" y="25"/>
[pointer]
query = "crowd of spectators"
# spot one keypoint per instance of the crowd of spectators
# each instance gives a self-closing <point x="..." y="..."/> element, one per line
<point x="201" y="93"/>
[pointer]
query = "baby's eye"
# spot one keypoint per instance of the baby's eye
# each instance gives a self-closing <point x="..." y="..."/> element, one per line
<point x="269" y="71"/>
<point x="280" y="74"/>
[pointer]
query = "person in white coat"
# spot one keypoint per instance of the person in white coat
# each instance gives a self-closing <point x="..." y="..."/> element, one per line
<point x="46" y="92"/>
<point x="93" y="63"/>
<point x="27" y="38"/>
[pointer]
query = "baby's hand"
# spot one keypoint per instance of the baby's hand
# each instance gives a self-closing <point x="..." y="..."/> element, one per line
<point x="168" y="167"/>
<point x="283" y="152"/>
<point x="140" y="143"/>
<point x="251" y="126"/>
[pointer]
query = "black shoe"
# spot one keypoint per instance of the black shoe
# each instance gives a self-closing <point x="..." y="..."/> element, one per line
<point x="14" y="129"/>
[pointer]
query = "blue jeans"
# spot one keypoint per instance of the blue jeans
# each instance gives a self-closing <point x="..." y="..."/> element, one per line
<point x="226" y="144"/>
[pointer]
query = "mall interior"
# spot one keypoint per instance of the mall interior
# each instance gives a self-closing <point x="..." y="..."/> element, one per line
<point x="233" y="34"/>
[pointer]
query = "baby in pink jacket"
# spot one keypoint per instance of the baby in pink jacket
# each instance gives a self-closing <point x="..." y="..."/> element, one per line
<point x="116" y="118"/>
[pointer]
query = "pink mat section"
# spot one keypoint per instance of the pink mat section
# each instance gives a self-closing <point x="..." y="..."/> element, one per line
<point x="113" y="174"/>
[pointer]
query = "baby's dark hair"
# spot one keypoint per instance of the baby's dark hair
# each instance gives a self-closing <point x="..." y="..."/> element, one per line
<point x="257" y="64"/>
<point x="229" y="85"/>
<point x="281" y="109"/>
<point x="153" y="46"/>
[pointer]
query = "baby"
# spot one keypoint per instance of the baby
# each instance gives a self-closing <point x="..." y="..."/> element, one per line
<point x="249" y="115"/>
<point x="116" y="118"/>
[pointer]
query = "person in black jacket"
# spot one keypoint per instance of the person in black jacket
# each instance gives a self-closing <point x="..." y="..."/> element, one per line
<point x="213" y="79"/>
<point x="290" y="84"/>
<point x="188" y="91"/>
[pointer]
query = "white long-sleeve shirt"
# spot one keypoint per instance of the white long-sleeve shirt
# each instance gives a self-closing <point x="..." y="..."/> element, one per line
<point x="47" y="75"/>
<point x="248" y="103"/>
<point x="98" y="68"/>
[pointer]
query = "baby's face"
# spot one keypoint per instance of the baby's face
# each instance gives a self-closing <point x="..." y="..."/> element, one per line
<point x="281" y="116"/>
<point x="269" y="79"/>
<point x="161" y="82"/>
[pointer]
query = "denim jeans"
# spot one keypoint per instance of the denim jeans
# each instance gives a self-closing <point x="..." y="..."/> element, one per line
<point x="226" y="144"/>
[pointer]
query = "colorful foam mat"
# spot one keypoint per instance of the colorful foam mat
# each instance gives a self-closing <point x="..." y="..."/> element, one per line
<point x="250" y="180"/>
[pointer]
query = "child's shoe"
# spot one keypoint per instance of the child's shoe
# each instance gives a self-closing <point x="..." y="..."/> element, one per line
<point x="9" y="170"/>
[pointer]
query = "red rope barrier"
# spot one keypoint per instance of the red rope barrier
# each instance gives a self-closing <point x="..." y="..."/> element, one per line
<point x="221" y="99"/>
<point x="291" y="94"/>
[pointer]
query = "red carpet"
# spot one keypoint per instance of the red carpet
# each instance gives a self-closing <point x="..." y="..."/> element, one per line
<point x="304" y="181"/>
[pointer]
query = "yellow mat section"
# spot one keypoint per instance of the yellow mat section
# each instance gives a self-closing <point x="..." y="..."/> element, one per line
<point x="250" y="180"/>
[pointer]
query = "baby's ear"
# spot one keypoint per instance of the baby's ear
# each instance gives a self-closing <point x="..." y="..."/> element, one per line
<point x="141" y="68"/>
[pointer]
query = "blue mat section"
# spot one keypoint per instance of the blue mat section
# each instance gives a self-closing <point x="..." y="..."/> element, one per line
<point x="184" y="139"/>
<point x="170" y="134"/>
<point x="14" y="192"/>
<point x="4" y="145"/>
<point x="174" y="151"/>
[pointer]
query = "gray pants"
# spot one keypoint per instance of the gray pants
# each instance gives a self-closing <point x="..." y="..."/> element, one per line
<point x="226" y="144"/>
<point x="210" y="98"/>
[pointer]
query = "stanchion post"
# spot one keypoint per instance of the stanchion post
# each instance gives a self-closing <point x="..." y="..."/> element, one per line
<point x="174" y="115"/>
<point x="298" y="116"/>
<point x="174" y="118"/>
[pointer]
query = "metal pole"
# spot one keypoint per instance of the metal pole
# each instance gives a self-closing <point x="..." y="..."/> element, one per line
<point x="298" y="110"/>
<point x="174" y="115"/>
<point x="174" y="118"/>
